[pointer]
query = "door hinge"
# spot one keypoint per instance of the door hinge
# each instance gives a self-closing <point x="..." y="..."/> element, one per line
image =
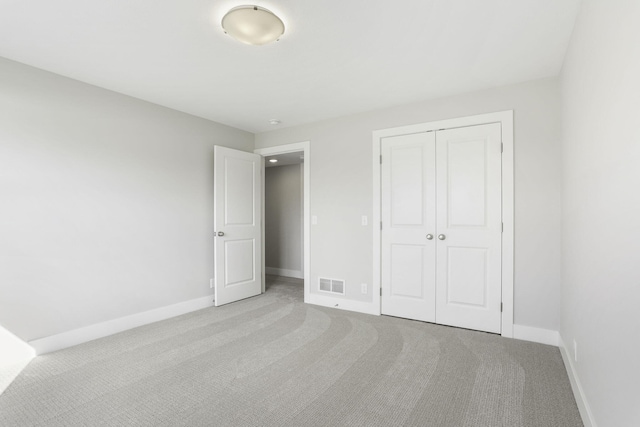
<point x="380" y="225"/>
<point x="380" y="291"/>
<point x="502" y="147"/>
<point x="503" y="227"/>
<point x="500" y="307"/>
<point x="380" y="158"/>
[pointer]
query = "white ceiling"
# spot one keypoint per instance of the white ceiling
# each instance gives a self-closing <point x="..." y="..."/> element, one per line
<point x="285" y="159"/>
<point x="337" y="57"/>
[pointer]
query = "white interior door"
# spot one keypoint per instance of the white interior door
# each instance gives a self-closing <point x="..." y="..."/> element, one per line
<point x="441" y="210"/>
<point x="469" y="219"/>
<point x="237" y="222"/>
<point x="409" y="224"/>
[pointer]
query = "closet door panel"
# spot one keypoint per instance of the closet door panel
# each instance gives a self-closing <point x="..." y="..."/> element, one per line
<point x="469" y="227"/>
<point x="467" y="276"/>
<point x="466" y="186"/>
<point x="408" y="215"/>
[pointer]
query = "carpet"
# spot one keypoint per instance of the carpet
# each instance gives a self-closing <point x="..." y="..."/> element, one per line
<point x="272" y="360"/>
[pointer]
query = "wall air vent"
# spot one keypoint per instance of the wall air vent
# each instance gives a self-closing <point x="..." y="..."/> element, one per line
<point x="334" y="286"/>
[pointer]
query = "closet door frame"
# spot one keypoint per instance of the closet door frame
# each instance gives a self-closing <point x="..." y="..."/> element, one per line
<point x="505" y="118"/>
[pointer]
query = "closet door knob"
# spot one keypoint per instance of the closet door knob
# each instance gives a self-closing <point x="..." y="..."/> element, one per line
<point x="429" y="236"/>
<point x="220" y="233"/>
<point x="441" y="236"/>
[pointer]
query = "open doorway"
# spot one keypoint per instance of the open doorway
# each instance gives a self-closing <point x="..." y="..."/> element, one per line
<point x="283" y="216"/>
<point x="286" y="213"/>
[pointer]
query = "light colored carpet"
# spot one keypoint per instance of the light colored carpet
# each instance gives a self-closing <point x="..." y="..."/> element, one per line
<point x="274" y="361"/>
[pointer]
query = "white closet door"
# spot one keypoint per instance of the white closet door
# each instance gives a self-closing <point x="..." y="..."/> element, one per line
<point x="469" y="218"/>
<point x="408" y="216"/>
<point x="237" y="218"/>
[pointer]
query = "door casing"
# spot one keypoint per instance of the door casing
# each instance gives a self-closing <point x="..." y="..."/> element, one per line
<point x="505" y="118"/>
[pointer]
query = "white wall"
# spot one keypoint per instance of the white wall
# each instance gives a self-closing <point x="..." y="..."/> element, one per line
<point x="341" y="189"/>
<point x="283" y="219"/>
<point x="601" y="208"/>
<point x="106" y="203"/>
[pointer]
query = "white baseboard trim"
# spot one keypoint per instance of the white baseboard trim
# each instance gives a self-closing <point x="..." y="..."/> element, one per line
<point x="110" y="327"/>
<point x="14" y="350"/>
<point x="578" y="392"/>
<point x="539" y="335"/>
<point x="342" y="304"/>
<point x="284" y="272"/>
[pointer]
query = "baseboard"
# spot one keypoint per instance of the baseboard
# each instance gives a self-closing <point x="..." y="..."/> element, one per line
<point x="110" y="327"/>
<point x="342" y="304"/>
<point x="14" y="350"/>
<point x="539" y="335"/>
<point x="578" y="392"/>
<point x="284" y="272"/>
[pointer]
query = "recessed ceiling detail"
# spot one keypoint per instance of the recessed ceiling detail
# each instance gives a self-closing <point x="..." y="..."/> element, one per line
<point x="285" y="159"/>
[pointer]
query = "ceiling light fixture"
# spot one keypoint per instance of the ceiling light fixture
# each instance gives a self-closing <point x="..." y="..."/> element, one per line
<point x="275" y="122"/>
<point x="273" y="160"/>
<point x="252" y="25"/>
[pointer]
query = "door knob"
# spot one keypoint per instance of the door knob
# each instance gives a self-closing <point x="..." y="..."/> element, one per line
<point x="429" y="236"/>
<point x="441" y="236"/>
<point x="220" y="233"/>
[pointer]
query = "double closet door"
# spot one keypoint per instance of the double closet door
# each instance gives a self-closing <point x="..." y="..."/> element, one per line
<point x="442" y="227"/>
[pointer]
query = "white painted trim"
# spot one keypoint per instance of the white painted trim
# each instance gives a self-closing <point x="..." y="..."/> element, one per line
<point x="343" y="304"/>
<point x="14" y="350"/>
<point x="508" y="219"/>
<point x="284" y="272"/>
<point x="376" y="221"/>
<point x="480" y="119"/>
<point x="539" y="335"/>
<point x="578" y="392"/>
<point x="304" y="251"/>
<point x="305" y="147"/>
<point x="506" y="120"/>
<point x="110" y="327"/>
<point x="263" y="223"/>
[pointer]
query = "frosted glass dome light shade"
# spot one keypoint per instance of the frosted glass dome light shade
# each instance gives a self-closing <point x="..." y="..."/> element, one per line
<point x="252" y="25"/>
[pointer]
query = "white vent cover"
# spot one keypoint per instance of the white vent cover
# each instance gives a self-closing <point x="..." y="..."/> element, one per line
<point x="325" y="284"/>
<point x="335" y="286"/>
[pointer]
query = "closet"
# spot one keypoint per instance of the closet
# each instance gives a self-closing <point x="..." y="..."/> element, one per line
<point x="441" y="237"/>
